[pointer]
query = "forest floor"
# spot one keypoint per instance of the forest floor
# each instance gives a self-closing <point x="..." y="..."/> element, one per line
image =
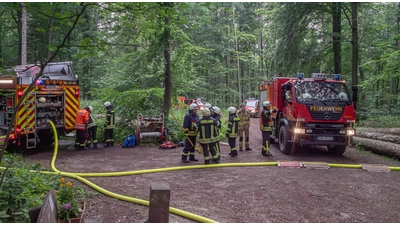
<point x="253" y="194"/>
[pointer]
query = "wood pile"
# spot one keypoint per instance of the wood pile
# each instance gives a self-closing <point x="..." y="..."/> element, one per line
<point x="383" y="141"/>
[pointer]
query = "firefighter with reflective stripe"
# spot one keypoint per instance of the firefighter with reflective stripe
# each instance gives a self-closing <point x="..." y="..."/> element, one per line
<point x="266" y="127"/>
<point x="208" y="136"/>
<point x="244" y="125"/>
<point x="232" y="130"/>
<point x="92" y="129"/>
<point x="81" y="120"/>
<point x="109" y="125"/>
<point x="190" y="129"/>
<point x="216" y="115"/>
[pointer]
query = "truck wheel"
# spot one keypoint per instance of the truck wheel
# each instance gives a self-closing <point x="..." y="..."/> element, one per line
<point x="336" y="149"/>
<point x="284" y="145"/>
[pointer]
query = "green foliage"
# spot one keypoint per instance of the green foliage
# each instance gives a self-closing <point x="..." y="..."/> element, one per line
<point x="21" y="189"/>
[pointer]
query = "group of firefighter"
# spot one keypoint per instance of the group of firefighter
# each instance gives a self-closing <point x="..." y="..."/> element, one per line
<point x="207" y="129"/>
<point x="86" y="128"/>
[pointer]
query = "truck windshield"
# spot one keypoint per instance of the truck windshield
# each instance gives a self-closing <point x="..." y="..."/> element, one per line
<point x="251" y="104"/>
<point x="321" y="91"/>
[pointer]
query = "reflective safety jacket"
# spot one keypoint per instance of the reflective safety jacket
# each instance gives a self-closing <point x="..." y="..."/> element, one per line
<point x="217" y="118"/>
<point x="82" y="118"/>
<point x="190" y="123"/>
<point x="91" y="122"/>
<point x="110" y="119"/>
<point x="266" y="120"/>
<point x="233" y="126"/>
<point x="244" y="118"/>
<point x="207" y="130"/>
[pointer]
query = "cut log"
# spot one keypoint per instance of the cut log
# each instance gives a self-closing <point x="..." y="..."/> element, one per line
<point x="380" y="136"/>
<point x="379" y="147"/>
<point x="379" y="130"/>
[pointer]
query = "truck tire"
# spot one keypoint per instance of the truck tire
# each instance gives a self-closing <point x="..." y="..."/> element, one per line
<point x="336" y="149"/>
<point x="284" y="136"/>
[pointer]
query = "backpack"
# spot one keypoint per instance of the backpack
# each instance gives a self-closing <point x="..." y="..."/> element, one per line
<point x="129" y="142"/>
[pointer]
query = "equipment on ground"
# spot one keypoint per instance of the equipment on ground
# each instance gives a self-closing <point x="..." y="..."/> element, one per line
<point x="54" y="96"/>
<point x="150" y="128"/>
<point x="310" y="111"/>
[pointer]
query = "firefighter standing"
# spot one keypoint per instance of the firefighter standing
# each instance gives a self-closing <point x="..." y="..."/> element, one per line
<point x="92" y="129"/>
<point x="208" y="136"/>
<point x="216" y="115"/>
<point x="232" y="130"/>
<point x="109" y="125"/>
<point x="265" y="127"/>
<point x="190" y="129"/>
<point x="244" y="125"/>
<point x="81" y="120"/>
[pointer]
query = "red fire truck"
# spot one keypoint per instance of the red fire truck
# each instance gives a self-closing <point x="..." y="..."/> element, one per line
<point x="55" y="96"/>
<point x="311" y="111"/>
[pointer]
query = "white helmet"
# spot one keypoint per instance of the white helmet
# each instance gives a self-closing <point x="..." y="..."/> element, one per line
<point x="207" y="105"/>
<point x="106" y="104"/>
<point x="216" y="109"/>
<point x="42" y="99"/>
<point x="90" y="108"/>
<point x="266" y="103"/>
<point x="231" y="110"/>
<point x="343" y="95"/>
<point x="193" y="106"/>
<point x="206" y="112"/>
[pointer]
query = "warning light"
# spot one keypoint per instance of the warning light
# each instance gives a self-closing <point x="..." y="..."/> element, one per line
<point x="76" y="92"/>
<point x="19" y="93"/>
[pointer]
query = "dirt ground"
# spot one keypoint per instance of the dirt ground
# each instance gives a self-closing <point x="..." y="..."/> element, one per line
<point x="256" y="194"/>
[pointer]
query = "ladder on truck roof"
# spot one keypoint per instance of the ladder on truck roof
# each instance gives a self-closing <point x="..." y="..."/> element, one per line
<point x="30" y="125"/>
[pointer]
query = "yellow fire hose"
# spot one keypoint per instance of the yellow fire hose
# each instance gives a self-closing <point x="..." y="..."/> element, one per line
<point x="179" y="212"/>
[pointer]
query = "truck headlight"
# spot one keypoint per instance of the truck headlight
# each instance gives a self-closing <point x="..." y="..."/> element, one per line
<point x="298" y="131"/>
<point x="351" y="132"/>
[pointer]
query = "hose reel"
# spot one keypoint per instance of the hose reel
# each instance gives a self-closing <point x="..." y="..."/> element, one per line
<point x="149" y="127"/>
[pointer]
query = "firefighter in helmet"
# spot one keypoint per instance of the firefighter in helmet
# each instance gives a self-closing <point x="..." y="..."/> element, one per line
<point x="266" y="127"/>
<point x="81" y="121"/>
<point x="109" y="125"/>
<point x="208" y="106"/>
<point x="216" y="115"/>
<point x="232" y="130"/>
<point x="244" y="125"/>
<point x="208" y="136"/>
<point x="92" y="129"/>
<point x="190" y="129"/>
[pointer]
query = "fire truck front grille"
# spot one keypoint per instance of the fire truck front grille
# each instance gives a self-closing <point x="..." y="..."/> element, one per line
<point x="326" y="116"/>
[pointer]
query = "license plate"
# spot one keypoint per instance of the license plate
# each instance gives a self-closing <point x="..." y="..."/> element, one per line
<point x="325" y="138"/>
<point x="52" y="86"/>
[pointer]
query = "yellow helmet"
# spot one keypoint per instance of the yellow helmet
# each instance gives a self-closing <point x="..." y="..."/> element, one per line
<point x="206" y="112"/>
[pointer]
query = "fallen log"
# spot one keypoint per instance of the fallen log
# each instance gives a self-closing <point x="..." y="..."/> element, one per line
<point x="379" y="130"/>
<point x="379" y="136"/>
<point x="379" y="147"/>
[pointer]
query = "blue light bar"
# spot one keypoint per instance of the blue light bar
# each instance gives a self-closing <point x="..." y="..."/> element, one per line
<point x="336" y="76"/>
<point x="300" y="75"/>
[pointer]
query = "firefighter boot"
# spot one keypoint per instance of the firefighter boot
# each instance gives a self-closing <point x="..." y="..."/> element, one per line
<point x="233" y="153"/>
<point x="112" y="143"/>
<point x="265" y="153"/>
<point x="248" y="149"/>
<point x="216" y="161"/>
<point x="192" y="158"/>
<point x="184" y="159"/>
<point x="207" y="161"/>
<point x="87" y="145"/>
<point x="95" y="145"/>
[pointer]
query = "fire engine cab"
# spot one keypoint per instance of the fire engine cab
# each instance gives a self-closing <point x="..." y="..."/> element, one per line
<point x="55" y="96"/>
<point x="311" y="111"/>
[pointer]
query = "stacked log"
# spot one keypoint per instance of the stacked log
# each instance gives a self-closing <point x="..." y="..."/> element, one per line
<point x="383" y="141"/>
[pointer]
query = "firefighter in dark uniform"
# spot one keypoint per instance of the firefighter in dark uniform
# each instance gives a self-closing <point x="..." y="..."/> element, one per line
<point x="92" y="129"/>
<point x="216" y="115"/>
<point x="109" y="125"/>
<point x="208" y="136"/>
<point x="266" y="127"/>
<point x="244" y="125"/>
<point x="81" y="121"/>
<point x="232" y="130"/>
<point x="190" y="129"/>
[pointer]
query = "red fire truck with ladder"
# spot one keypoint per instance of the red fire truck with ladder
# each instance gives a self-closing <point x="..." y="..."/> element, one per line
<point x="311" y="111"/>
<point x="55" y="96"/>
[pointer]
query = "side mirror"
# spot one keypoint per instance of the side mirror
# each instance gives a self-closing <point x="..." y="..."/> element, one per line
<point x="355" y="93"/>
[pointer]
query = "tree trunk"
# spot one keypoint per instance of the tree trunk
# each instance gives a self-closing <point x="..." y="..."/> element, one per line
<point x="239" y="88"/>
<point x="379" y="136"/>
<point x="167" y="56"/>
<point x="395" y="131"/>
<point x="379" y="147"/>
<point x="336" y="33"/>
<point x="354" y="67"/>
<point x="228" y="65"/>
